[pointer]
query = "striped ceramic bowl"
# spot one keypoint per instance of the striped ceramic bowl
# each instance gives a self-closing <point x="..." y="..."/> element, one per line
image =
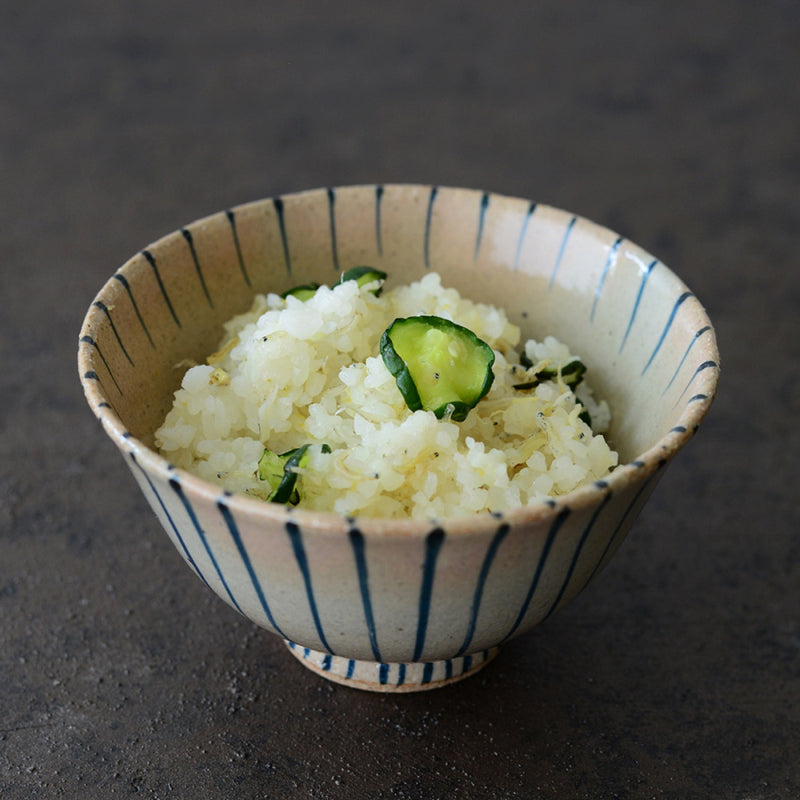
<point x="402" y="605"/>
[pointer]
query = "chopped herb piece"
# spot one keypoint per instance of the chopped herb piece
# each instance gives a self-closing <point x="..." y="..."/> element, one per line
<point x="438" y="365"/>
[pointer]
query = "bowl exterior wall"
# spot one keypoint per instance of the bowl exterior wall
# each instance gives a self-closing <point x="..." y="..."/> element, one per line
<point x="390" y="598"/>
<point x="402" y="591"/>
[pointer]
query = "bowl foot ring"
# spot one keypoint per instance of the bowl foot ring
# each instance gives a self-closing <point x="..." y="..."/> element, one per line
<point x="375" y="676"/>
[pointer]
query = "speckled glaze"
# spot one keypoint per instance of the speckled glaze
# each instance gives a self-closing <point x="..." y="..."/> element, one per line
<point x="402" y="605"/>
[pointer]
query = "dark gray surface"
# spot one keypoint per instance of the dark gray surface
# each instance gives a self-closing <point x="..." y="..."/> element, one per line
<point x="677" y="673"/>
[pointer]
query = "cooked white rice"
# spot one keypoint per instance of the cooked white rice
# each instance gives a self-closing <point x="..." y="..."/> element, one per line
<point x="290" y="373"/>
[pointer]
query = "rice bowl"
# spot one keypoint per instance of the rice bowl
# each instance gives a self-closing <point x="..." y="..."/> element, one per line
<point x="389" y="603"/>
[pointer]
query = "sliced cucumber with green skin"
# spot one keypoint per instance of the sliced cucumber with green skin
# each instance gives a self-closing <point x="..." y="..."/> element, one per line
<point x="571" y="373"/>
<point x="361" y="275"/>
<point x="281" y="472"/>
<point x="301" y="292"/>
<point x="438" y="365"/>
<point x="270" y="468"/>
<point x="364" y="275"/>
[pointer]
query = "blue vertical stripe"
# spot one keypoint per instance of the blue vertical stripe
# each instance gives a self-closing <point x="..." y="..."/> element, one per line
<point x="357" y="543"/>
<point x="92" y="376"/>
<point x="88" y="340"/>
<point x="428" y="223"/>
<point x="187" y="235"/>
<point x="332" y="225"/>
<point x="184" y="549"/>
<point x="494" y="545"/>
<point x="232" y="222"/>
<point x="557" y="265"/>
<point x="522" y="233"/>
<point x="678" y="303"/>
<point x="576" y="555"/>
<point x="296" y="538"/>
<point x="688" y="349"/>
<point x="233" y="529"/>
<point x="124" y="281"/>
<point x="612" y="256"/>
<point x="277" y="203"/>
<point x="178" y="489"/>
<point x="620" y="525"/>
<point x="378" y="233"/>
<point x="154" y="267"/>
<point x="433" y="544"/>
<point x="642" y="284"/>
<point x="554" y="529"/>
<point x="481" y="222"/>
<point x="175" y="485"/>
<point x="102" y="306"/>
<point x="704" y="366"/>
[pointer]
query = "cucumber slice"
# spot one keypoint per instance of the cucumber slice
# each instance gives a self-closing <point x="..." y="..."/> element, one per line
<point x="363" y="276"/>
<point x="437" y="364"/>
<point x="571" y="373"/>
<point x="270" y="468"/>
<point x="281" y="472"/>
<point x="302" y="292"/>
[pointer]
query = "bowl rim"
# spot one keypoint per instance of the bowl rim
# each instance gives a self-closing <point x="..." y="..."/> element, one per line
<point x="634" y="472"/>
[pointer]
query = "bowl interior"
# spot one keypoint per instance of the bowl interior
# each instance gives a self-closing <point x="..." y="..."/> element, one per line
<point x="645" y="338"/>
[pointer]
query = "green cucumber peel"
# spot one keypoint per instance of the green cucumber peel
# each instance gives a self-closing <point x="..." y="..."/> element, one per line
<point x="571" y="373"/>
<point x="302" y="292"/>
<point x="281" y="472"/>
<point x="438" y="365"/>
<point x="361" y="275"/>
<point x="364" y="275"/>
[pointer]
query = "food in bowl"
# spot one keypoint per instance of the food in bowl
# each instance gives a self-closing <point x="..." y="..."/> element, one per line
<point x="409" y="402"/>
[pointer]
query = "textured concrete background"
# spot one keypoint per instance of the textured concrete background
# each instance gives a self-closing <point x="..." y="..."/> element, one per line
<point x="677" y="673"/>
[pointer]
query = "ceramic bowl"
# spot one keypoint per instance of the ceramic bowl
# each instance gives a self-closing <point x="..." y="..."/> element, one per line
<point x="402" y="605"/>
